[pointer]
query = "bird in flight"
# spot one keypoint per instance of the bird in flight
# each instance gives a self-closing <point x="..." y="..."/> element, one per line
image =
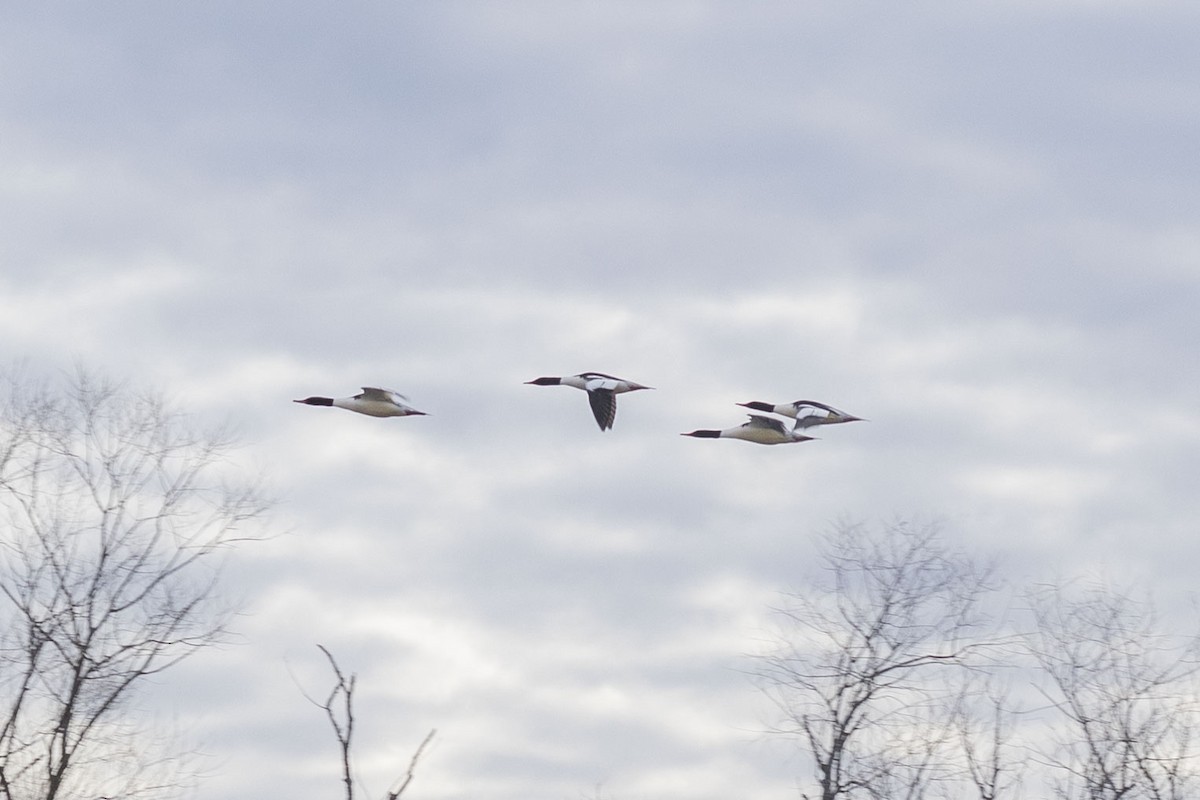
<point x="602" y="391"/>
<point x="372" y="401"/>
<point x="760" y="430"/>
<point x="807" y="413"/>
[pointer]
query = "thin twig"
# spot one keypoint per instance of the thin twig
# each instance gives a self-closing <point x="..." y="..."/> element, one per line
<point x="344" y="731"/>
<point x="412" y="765"/>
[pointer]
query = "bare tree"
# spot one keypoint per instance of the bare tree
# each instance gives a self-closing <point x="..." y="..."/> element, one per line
<point x="338" y="706"/>
<point x="984" y="722"/>
<point x="862" y="673"/>
<point x="1126" y="691"/>
<point x="115" y="517"/>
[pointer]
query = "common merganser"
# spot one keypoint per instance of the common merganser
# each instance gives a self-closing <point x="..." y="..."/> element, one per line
<point x="760" y="430"/>
<point x="373" y="402"/>
<point x="602" y="392"/>
<point x="805" y="412"/>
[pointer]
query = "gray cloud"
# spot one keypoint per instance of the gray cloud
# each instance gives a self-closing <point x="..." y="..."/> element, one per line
<point x="972" y="227"/>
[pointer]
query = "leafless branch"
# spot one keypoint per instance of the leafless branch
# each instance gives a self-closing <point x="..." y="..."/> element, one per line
<point x="118" y="513"/>
<point x="338" y="706"/>
<point x="864" y="658"/>
<point x="341" y="702"/>
<point x="412" y="766"/>
<point x="1125" y="691"/>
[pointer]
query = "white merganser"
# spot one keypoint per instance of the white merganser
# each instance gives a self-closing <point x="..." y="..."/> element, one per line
<point x="602" y="392"/>
<point x="760" y="430"/>
<point x="805" y="412"/>
<point x="373" y="402"/>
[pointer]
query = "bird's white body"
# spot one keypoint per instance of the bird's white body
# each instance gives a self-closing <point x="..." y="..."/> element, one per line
<point x="372" y="401"/>
<point x="759" y="430"/>
<point x="601" y="389"/>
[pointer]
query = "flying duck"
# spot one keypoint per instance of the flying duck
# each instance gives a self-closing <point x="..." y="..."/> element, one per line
<point x="373" y="402"/>
<point x="602" y="392"/>
<point x="807" y="413"/>
<point x="760" y="430"/>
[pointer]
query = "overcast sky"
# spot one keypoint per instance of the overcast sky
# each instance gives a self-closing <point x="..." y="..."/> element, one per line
<point x="974" y="224"/>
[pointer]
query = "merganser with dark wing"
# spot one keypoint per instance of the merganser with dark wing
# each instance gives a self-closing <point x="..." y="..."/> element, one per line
<point x="372" y="401"/>
<point x="760" y="430"/>
<point x="807" y="413"/>
<point x="602" y="392"/>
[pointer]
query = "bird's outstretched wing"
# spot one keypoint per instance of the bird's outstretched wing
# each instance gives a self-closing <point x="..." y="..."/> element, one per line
<point x="770" y="423"/>
<point x="604" y="406"/>
<point x="374" y="393"/>
<point x="801" y="404"/>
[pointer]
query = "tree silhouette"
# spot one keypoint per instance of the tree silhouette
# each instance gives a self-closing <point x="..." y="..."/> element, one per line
<point x="116" y="513"/>
<point x="899" y="688"/>
<point x="1125" y="690"/>
<point x="863" y="663"/>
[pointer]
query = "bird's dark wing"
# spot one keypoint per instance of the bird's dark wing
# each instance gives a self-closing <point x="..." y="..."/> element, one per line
<point x="604" y="406"/>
